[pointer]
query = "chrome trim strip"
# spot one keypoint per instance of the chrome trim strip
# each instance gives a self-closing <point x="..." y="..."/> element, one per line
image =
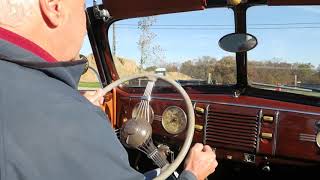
<point x="308" y="140"/>
<point x="275" y="139"/>
<point x="157" y="117"/>
<point x="205" y="125"/>
<point x="194" y="105"/>
<point x="259" y="116"/>
<point x="233" y="104"/>
<point x="159" y="98"/>
<point x="307" y="137"/>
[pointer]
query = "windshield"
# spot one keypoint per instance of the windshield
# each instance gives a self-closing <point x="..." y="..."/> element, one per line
<point x="287" y="56"/>
<point x="181" y="46"/>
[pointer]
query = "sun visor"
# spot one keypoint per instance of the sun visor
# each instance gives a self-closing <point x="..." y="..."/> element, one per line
<point x="121" y="9"/>
<point x="293" y="2"/>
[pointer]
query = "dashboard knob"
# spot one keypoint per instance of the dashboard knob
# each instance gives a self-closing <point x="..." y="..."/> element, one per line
<point x="199" y="110"/>
<point x="265" y="135"/>
<point x="266" y="168"/>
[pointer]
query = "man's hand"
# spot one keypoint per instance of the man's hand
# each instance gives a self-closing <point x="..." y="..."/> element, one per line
<point x="91" y="95"/>
<point x="201" y="161"/>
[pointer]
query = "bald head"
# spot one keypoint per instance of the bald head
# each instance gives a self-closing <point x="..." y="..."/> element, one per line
<point x="58" y="26"/>
<point x="13" y="12"/>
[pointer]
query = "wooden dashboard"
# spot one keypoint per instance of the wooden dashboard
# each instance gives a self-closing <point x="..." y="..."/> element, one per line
<point x="245" y="129"/>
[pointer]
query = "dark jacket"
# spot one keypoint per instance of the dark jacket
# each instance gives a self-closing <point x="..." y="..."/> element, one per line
<point x="48" y="131"/>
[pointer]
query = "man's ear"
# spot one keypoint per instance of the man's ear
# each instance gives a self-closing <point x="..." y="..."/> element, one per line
<point x="52" y="12"/>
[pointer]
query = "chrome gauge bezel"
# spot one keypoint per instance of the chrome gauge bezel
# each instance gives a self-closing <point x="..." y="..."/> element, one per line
<point x="135" y="108"/>
<point x="184" y="119"/>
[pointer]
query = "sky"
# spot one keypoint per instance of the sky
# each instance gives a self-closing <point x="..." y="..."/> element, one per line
<point x="290" y="34"/>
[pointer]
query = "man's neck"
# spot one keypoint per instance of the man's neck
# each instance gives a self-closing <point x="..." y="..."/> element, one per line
<point x="8" y="35"/>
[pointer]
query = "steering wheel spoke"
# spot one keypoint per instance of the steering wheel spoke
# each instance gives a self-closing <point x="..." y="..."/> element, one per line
<point x="153" y="153"/>
<point x="143" y="111"/>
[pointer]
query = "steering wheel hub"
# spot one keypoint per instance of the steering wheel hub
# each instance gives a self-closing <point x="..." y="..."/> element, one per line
<point x="135" y="132"/>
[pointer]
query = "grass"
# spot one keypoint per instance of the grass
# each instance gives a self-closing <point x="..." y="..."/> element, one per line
<point x="89" y="85"/>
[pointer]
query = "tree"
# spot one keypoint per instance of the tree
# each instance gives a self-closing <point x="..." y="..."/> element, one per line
<point x="304" y="71"/>
<point x="198" y="68"/>
<point x="151" y="68"/>
<point x="187" y="67"/>
<point x="150" y="52"/>
<point x="225" y="70"/>
<point x="172" y="67"/>
<point x="275" y="71"/>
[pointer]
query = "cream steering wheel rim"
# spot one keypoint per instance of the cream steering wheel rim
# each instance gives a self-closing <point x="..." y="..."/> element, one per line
<point x="167" y="171"/>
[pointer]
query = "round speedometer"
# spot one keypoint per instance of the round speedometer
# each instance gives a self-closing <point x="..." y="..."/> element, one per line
<point x="174" y="120"/>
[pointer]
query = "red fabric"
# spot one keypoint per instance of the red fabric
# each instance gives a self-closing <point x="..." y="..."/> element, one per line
<point x="137" y="8"/>
<point x="25" y="44"/>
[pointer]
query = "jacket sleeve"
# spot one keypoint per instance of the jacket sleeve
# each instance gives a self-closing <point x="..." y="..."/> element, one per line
<point x="187" y="175"/>
<point x="64" y="140"/>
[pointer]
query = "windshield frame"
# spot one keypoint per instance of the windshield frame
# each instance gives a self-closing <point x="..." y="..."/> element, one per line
<point x="101" y="46"/>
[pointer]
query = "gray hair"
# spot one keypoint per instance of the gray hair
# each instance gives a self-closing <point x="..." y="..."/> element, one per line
<point x="14" y="11"/>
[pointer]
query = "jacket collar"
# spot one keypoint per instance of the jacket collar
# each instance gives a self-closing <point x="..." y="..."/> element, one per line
<point x="26" y="44"/>
<point x="30" y="55"/>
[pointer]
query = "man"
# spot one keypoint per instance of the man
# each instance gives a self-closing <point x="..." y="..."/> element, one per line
<point x="47" y="129"/>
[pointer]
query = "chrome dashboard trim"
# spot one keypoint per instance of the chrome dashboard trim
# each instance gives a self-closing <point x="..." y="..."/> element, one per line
<point x="307" y="137"/>
<point x="157" y="117"/>
<point x="232" y="104"/>
<point x="205" y="125"/>
<point x="259" y="118"/>
<point x="275" y="139"/>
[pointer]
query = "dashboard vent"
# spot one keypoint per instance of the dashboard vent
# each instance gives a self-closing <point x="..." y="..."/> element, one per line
<point x="231" y="130"/>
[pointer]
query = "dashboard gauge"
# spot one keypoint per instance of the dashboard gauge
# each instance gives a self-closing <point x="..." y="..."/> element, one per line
<point x="174" y="120"/>
<point x="141" y="113"/>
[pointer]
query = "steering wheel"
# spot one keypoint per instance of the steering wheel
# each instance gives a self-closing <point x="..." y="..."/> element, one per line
<point x="137" y="132"/>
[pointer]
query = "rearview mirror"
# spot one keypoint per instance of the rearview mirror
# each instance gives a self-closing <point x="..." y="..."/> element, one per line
<point x="238" y="42"/>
